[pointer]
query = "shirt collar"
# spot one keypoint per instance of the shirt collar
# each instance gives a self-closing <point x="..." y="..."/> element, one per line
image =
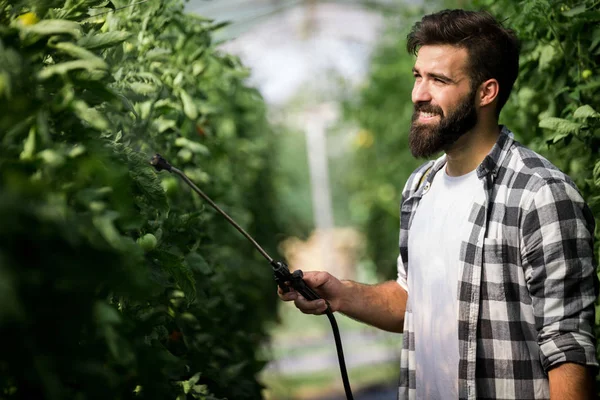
<point x="493" y="161"/>
<point x="489" y="166"/>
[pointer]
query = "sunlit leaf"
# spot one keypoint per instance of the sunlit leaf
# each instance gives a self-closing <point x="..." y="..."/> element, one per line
<point x="586" y="111"/>
<point x="28" y="146"/>
<point x="90" y="115"/>
<point x="142" y="88"/>
<point x="575" y="10"/>
<point x="103" y="40"/>
<point x="48" y="27"/>
<point x="560" y="125"/>
<point x="79" y="52"/>
<point x="547" y="54"/>
<point x="189" y="108"/>
<point x="63" y="68"/>
<point x="194" y="147"/>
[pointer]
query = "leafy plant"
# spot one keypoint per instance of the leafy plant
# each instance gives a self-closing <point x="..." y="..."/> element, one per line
<point x="117" y="281"/>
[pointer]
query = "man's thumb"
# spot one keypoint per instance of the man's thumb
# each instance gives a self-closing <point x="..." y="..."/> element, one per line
<point x="316" y="279"/>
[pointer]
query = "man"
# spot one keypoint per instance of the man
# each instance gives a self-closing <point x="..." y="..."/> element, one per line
<point x="496" y="275"/>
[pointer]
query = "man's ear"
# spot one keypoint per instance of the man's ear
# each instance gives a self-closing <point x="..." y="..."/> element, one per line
<point x="488" y="92"/>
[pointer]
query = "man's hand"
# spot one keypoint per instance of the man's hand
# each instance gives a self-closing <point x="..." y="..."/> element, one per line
<point x="382" y="305"/>
<point x="326" y="285"/>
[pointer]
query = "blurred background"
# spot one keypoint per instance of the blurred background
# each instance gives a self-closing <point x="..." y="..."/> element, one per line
<point x="336" y="80"/>
<point x="293" y="116"/>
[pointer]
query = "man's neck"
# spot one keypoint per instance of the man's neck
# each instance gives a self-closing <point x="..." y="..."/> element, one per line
<point x="470" y="149"/>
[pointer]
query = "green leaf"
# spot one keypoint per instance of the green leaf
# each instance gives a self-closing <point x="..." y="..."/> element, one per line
<point x="163" y="124"/>
<point x="142" y="88"/>
<point x="147" y="182"/>
<point x="48" y="27"/>
<point x="28" y="146"/>
<point x="585" y="112"/>
<point x="90" y="115"/>
<point x="63" y="68"/>
<point x="198" y="263"/>
<point x="103" y="40"/>
<point x="176" y="267"/>
<point x="233" y="371"/>
<point x="106" y="314"/>
<point x="79" y="52"/>
<point x="76" y="151"/>
<point x="158" y="53"/>
<point x="189" y="108"/>
<point x="105" y="225"/>
<point x="189" y="384"/>
<point x="194" y="147"/>
<point x="560" y="125"/>
<point x="596" y="40"/>
<point x="51" y="157"/>
<point x="575" y="11"/>
<point x="118" y="346"/>
<point x="547" y="54"/>
<point x="597" y="173"/>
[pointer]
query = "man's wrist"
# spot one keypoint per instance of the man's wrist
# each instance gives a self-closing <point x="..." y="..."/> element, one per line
<point x="345" y="298"/>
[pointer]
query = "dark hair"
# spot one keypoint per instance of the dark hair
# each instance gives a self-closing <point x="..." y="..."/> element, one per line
<point x="493" y="49"/>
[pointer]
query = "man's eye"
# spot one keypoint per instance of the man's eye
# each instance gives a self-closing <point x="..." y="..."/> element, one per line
<point x="438" y="80"/>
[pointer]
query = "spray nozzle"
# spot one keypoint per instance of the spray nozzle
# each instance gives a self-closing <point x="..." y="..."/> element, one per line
<point x="159" y="163"/>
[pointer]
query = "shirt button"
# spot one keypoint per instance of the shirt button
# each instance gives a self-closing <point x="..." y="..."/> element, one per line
<point x="426" y="187"/>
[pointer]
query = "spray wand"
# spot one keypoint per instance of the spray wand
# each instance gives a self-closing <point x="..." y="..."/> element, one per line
<point x="282" y="274"/>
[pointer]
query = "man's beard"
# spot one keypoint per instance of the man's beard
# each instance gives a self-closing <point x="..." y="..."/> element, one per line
<point x="426" y="140"/>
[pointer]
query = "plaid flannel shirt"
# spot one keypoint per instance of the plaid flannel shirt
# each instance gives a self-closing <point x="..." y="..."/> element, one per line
<point x="527" y="281"/>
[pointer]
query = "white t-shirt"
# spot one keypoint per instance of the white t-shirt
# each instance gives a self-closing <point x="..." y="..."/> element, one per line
<point x="439" y="226"/>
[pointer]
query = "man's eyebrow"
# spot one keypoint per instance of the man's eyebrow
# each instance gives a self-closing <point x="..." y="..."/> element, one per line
<point x="435" y="76"/>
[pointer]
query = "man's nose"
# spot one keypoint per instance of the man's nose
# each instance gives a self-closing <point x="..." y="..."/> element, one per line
<point x="420" y="93"/>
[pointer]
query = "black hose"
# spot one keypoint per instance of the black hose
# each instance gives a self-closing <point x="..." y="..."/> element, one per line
<point x="280" y="269"/>
<point x="340" y="353"/>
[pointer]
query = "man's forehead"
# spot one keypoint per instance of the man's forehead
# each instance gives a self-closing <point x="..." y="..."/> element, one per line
<point x="442" y="58"/>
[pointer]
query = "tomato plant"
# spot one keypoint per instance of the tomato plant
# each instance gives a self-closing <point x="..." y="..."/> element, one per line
<point x="88" y="95"/>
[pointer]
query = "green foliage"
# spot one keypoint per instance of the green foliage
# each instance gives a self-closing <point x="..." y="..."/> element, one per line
<point x="554" y="108"/>
<point x="117" y="281"/>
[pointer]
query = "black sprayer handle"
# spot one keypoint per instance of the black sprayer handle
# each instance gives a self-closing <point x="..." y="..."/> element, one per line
<point x="283" y="275"/>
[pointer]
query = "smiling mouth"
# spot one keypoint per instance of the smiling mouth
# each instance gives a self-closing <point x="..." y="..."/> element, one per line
<point x="425" y="116"/>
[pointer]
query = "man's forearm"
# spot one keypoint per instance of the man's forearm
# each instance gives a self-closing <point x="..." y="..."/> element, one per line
<point x="382" y="305"/>
<point x="571" y="381"/>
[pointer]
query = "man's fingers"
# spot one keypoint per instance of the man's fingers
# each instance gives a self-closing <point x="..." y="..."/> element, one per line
<point x="310" y="307"/>
<point x="287" y="296"/>
<point x="306" y="306"/>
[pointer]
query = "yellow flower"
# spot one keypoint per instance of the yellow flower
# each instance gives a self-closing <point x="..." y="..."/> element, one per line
<point x="29" y="18"/>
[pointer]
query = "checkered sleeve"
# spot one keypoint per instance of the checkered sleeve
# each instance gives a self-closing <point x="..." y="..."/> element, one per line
<point x="557" y="255"/>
